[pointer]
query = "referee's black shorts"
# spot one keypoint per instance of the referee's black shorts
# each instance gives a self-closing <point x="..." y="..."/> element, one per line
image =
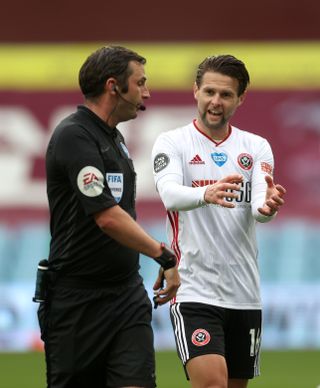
<point x="98" y="338"/>
<point x="204" y="329"/>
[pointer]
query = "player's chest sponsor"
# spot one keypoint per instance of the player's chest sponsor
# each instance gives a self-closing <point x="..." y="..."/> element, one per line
<point x="242" y="160"/>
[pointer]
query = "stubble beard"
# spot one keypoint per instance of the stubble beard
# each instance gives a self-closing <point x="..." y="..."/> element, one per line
<point x="214" y="126"/>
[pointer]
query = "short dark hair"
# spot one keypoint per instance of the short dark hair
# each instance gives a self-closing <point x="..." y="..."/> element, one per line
<point x="226" y="65"/>
<point x="106" y="62"/>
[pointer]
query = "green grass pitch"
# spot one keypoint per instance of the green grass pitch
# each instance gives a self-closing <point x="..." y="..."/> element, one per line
<point x="283" y="369"/>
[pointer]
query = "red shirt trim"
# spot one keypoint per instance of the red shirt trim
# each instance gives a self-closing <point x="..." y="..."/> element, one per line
<point x="208" y="137"/>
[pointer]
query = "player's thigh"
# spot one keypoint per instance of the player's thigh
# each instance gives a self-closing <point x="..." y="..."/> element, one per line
<point x="237" y="383"/>
<point x="243" y="338"/>
<point x="198" y="329"/>
<point x="209" y="370"/>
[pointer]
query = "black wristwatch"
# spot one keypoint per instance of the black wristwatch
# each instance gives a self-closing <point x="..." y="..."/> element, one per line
<point x="167" y="259"/>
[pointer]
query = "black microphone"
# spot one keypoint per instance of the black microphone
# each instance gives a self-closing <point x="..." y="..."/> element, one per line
<point x="138" y="106"/>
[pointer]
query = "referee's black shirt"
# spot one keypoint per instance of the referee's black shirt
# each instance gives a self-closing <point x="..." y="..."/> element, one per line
<point x="88" y="170"/>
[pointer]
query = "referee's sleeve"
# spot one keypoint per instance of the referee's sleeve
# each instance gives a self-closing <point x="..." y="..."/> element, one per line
<point x="77" y="153"/>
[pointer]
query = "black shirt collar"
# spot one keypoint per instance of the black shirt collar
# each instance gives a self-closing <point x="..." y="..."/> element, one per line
<point x="110" y="131"/>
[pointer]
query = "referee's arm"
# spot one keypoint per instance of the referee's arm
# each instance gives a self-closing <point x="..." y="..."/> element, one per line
<point x="120" y="226"/>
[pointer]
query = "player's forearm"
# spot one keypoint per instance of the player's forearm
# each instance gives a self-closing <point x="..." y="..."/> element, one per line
<point x="118" y="224"/>
<point x="258" y="201"/>
<point x="177" y="197"/>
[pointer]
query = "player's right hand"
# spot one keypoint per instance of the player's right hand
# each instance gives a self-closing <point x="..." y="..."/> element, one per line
<point x="166" y="285"/>
<point x="224" y="189"/>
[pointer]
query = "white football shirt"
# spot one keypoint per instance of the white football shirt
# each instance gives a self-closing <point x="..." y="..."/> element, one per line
<point x="216" y="246"/>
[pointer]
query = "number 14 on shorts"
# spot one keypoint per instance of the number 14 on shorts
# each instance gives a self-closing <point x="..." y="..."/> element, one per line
<point x="255" y="341"/>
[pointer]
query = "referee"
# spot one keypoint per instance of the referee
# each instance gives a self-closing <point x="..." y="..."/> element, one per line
<point x="96" y="319"/>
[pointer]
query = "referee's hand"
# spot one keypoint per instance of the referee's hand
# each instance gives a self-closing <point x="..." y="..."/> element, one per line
<point x="166" y="285"/>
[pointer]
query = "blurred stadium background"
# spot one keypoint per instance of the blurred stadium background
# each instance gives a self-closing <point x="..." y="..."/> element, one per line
<point x="41" y="49"/>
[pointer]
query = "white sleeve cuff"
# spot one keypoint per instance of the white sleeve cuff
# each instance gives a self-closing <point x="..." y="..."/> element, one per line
<point x="256" y="202"/>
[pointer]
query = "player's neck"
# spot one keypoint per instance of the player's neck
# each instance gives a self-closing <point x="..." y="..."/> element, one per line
<point x="216" y="134"/>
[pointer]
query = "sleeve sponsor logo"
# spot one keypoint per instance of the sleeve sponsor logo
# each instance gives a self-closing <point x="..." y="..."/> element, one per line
<point x="115" y="183"/>
<point x="219" y="158"/>
<point x="266" y="167"/>
<point x="161" y="161"/>
<point x="90" y="181"/>
<point x="245" y="161"/>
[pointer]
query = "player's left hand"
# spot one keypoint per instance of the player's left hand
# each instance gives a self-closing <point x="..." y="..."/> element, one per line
<point x="274" y="197"/>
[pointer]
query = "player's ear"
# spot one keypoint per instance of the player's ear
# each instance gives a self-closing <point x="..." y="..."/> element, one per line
<point x="242" y="97"/>
<point x="195" y="91"/>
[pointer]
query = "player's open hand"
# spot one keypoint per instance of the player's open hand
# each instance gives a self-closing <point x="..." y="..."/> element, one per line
<point x="224" y="189"/>
<point x="166" y="285"/>
<point x="274" y="197"/>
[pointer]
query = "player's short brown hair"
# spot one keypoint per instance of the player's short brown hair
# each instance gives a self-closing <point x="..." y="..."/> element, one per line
<point x="226" y="65"/>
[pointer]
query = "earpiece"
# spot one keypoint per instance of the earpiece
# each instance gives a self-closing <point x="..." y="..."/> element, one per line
<point x="138" y="106"/>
